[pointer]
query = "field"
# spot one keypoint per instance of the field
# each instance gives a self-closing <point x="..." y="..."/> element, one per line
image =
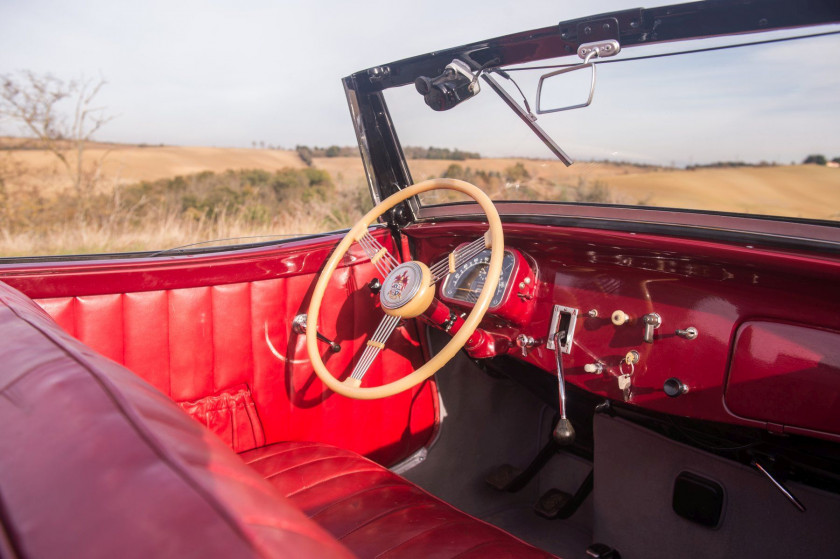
<point x="132" y="199"/>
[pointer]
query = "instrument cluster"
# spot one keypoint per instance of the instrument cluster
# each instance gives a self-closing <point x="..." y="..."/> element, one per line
<point x="512" y="300"/>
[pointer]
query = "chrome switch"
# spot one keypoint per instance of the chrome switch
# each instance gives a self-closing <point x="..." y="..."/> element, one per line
<point x="652" y="321"/>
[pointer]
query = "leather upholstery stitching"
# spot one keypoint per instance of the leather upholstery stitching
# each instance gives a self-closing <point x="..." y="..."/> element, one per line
<point x="312" y="514"/>
<point x="342" y="474"/>
<point x="423" y="533"/>
<point x="385" y="514"/>
<point x="279" y="452"/>
<point x="302" y="464"/>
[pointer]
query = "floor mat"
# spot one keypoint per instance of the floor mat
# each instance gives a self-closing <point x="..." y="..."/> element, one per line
<point x="490" y="422"/>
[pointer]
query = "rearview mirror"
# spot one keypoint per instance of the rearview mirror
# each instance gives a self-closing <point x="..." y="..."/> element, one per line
<point x="556" y="93"/>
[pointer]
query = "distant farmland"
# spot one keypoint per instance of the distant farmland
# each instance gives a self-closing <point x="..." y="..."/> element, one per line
<point x="33" y="181"/>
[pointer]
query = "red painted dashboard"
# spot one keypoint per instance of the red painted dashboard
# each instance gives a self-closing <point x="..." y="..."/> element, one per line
<point x="767" y="349"/>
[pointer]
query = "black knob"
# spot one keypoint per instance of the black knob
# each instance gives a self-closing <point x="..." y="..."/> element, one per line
<point x="674" y="387"/>
<point x="423" y="85"/>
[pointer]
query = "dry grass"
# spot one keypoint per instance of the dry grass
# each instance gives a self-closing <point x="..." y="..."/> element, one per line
<point x="169" y="231"/>
<point x="126" y="164"/>
<point x="31" y="185"/>
<point x="808" y="191"/>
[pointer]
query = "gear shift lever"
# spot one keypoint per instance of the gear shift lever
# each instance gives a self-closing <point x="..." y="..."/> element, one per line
<point x="564" y="433"/>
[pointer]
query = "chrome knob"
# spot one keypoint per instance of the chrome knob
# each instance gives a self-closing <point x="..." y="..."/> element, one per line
<point x="689" y="333"/>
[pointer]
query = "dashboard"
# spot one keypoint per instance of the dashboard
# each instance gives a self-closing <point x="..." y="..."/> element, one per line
<point x="698" y="329"/>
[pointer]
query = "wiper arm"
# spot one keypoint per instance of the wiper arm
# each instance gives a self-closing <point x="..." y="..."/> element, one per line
<point x="528" y="119"/>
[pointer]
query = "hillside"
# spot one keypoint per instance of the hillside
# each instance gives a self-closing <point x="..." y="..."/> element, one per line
<point x="217" y="198"/>
<point x="125" y="164"/>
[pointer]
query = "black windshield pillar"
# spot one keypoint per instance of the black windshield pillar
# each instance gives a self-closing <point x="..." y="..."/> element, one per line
<point x="382" y="154"/>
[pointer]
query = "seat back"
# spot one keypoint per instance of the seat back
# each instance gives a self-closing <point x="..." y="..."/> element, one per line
<point x="95" y="462"/>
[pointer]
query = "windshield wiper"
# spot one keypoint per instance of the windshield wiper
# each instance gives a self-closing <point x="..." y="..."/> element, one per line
<point x="528" y="119"/>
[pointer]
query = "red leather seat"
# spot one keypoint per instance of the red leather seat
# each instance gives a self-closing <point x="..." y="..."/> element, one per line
<point x="375" y="512"/>
<point x="95" y="462"/>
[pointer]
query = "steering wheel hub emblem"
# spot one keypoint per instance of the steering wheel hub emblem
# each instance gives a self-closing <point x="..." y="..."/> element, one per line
<point x="401" y="285"/>
<point x="408" y="290"/>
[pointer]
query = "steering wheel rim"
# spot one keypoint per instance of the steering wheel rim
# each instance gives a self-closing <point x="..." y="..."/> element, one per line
<point x="359" y="230"/>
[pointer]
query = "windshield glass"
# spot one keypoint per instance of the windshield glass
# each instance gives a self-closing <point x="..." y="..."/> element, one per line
<point x="748" y="130"/>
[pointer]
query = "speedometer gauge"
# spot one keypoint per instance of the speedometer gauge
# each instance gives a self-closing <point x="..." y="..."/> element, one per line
<point x="466" y="282"/>
<point x="514" y="299"/>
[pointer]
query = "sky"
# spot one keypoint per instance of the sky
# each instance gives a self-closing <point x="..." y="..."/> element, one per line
<point x="228" y="74"/>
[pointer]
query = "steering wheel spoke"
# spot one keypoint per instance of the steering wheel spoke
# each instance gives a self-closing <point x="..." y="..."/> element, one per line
<point x="459" y="256"/>
<point x="383" y="260"/>
<point x="374" y="345"/>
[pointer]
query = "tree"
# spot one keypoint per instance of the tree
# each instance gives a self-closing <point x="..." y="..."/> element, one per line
<point x="36" y="103"/>
<point x="815" y="159"/>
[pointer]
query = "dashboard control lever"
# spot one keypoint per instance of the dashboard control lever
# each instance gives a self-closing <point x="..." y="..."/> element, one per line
<point x="778" y="485"/>
<point x="689" y="333"/>
<point x="299" y="327"/>
<point x="524" y="341"/>
<point x="564" y="432"/>
<point x="565" y="319"/>
<point x="652" y="321"/>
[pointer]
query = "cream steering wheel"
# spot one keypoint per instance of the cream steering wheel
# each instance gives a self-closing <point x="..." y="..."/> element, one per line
<point x="407" y="290"/>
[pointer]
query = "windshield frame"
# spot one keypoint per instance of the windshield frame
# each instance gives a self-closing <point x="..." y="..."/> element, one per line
<point x="387" y="169"/>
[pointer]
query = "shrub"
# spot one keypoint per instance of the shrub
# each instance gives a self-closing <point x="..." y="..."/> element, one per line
<point x="517" y="173"/>
<point x="815" y="159"/>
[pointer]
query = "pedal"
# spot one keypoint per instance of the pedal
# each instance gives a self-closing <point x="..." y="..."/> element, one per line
<point x="552" y="503"/>
<point x="502" y="477"/>
<point x="555" y="503"/>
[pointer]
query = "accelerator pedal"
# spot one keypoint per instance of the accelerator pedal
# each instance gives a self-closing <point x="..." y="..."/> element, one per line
<point x="555" y="503"/>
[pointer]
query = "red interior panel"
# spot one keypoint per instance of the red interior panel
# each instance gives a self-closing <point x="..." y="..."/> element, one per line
<point x="191" y="338"/>
<point x="786" y="374"/>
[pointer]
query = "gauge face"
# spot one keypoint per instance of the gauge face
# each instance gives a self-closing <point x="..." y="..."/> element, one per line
<point x="466" y="282"/>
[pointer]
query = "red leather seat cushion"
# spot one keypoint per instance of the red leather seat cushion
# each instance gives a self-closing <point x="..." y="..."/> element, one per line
<point x="373" y="511"/>
<point x="94" y="462"/>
